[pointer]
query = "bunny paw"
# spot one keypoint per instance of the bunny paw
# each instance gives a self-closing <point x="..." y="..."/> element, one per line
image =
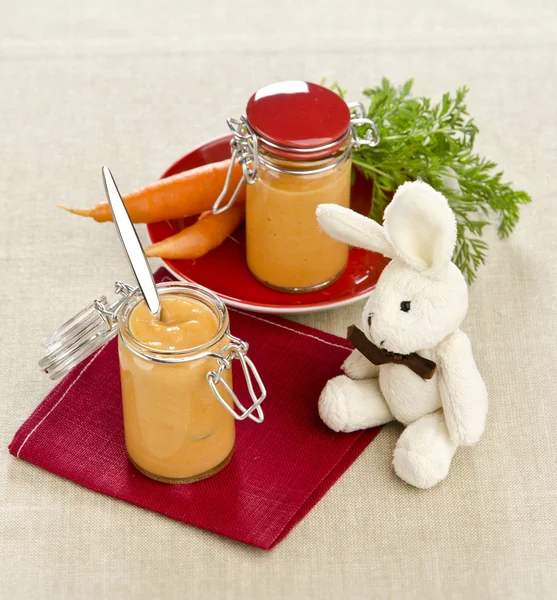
<point x="357" y="366"/>
<point x="347" y="405"/>
<point x="332" y="404"/>
<point x="424" y="452"/>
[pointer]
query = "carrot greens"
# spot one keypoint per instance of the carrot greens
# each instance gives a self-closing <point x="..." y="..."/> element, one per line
<point x="434" y="142"/>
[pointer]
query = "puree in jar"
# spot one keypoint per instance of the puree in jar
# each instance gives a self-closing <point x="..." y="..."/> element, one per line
<point x="286" y="247"/>
<point x="175" y="428"/>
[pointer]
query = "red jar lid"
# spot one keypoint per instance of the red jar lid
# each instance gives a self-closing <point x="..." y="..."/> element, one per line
<point x="299" y="116"/>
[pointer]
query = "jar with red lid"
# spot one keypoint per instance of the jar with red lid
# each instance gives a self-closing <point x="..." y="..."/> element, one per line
<point x="294" y="144"/>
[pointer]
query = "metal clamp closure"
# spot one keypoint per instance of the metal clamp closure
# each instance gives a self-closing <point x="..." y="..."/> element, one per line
<point x="109" y="312"/>
<point x="238" y="349"/>
<point x="244" y="150"/>
<point x="358" y="118"/>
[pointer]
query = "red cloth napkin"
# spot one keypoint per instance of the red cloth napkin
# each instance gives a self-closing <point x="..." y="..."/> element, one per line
<point x="279" y="471"/>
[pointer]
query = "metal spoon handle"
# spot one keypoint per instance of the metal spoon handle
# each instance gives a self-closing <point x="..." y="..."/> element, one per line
<point x="132" y="245"/>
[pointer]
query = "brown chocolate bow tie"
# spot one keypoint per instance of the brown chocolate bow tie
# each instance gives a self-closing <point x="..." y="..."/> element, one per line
<point x="378" y="356"/>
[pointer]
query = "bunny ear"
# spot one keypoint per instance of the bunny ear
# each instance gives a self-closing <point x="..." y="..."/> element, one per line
<point x="421" y="227"/>
<point x="352" y="228"/>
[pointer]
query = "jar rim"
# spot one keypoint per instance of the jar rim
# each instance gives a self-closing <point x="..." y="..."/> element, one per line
<point x="208" y="298"/>
<point x="297" y="153"/>
<point x="305" y="165"/>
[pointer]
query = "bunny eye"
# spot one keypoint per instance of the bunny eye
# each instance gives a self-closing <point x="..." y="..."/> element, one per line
<point x="405" y="306"/>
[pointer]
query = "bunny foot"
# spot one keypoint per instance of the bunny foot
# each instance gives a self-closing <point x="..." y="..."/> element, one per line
<point x="424" y="452"/>
<point x="348" y="405"/>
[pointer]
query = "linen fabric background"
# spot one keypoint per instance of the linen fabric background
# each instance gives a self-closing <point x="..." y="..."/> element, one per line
<point x="135" y="86"/>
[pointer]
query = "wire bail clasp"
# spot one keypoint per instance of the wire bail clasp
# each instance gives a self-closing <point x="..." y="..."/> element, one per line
<point x="238" y="349"/>
<point x="109" y="312"/>
<point x="358" y="119"/>
<point x="244" y="150"/>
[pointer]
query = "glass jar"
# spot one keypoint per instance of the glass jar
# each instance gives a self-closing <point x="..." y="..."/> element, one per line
<point x="294" y="145"/>
<point x="286" y="248"/>
<point x="178" y="402"/>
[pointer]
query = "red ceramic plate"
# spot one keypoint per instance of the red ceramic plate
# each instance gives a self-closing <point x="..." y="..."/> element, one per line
<point x="225" y="272"/>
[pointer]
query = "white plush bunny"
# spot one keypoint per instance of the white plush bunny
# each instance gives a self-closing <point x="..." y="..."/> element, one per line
<point x="418" y="305"/>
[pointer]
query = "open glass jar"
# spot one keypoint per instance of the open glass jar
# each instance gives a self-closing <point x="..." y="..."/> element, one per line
<point x="178" y="401"/>
<point x="295" y="144"/>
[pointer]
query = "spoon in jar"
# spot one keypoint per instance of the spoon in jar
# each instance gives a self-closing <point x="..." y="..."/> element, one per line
<point x="132" y="246"/>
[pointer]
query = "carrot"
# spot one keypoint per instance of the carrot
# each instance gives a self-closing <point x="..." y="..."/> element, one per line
<point x="182" y="195"/>
<point x="207" y="233"/>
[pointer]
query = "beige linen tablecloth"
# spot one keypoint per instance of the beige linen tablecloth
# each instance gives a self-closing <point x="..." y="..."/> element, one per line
<point x="135" y="85"/>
